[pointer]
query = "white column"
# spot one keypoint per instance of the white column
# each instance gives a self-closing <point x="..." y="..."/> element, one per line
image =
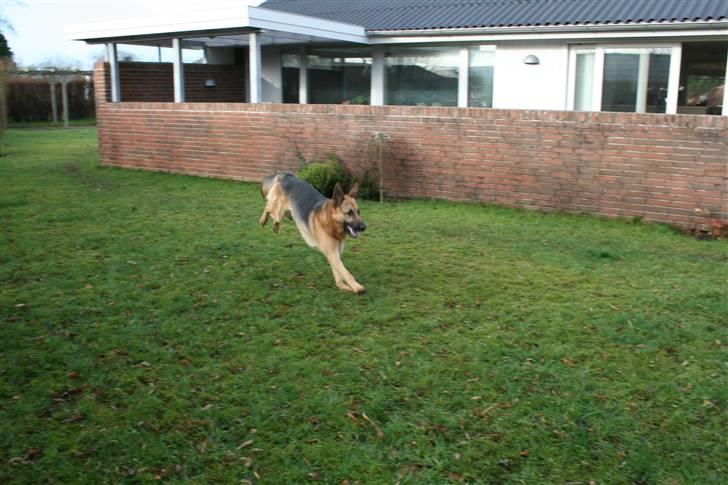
<point x="642" y="78"/>
<point x="463" y="67"/>
<point x="379" y="79"/>
<point x="178" y="70"/>
<point x="255" y="66"/>
<point x="113" y="59"/>
<point x="673" y="81"/>
<point x="303" y="76"/>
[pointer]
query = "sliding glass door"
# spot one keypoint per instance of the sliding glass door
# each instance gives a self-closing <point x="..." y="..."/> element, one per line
<point x="627" y="79"/>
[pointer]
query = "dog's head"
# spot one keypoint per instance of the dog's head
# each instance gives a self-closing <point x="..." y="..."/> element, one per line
<point x="347" y="210"/>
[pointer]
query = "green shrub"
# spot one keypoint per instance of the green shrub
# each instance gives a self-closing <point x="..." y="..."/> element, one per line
<point x="368" y="186"/>
<point x="325" y="175"/>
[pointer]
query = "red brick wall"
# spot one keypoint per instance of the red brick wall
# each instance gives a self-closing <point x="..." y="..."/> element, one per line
<point x="659" y="167"/>
<point x="152" y="81"/>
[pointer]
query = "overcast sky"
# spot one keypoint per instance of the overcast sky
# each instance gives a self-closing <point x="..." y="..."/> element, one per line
<point x="38" y="27"/>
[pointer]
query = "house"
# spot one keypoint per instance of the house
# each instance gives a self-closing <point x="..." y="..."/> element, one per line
<point x="655" y="56"/>
<point x="601" y="107"/>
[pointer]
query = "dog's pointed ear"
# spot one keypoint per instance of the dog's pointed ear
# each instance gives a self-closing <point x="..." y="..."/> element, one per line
<point x="354" y="190"/>
<point x="338" y="195"/>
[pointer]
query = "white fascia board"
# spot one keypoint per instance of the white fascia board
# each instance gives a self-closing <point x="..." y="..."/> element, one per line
<point x="267" y="19"/>
<point x="212" y="19"/>
<point x="647" y="31"/>
<point x="186" y="21"/>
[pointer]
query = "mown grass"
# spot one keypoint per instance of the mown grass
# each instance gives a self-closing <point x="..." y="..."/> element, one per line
<point x="151" y="330"/>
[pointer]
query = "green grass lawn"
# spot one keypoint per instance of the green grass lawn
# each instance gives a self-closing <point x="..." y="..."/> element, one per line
<point x="152" y="330"/>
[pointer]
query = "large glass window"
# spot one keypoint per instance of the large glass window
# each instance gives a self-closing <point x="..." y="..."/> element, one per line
<point x="635" y="80"/>
<point x="339" y="77"/>
<point x="423" y="76"/>
<point x="480" y="76"/>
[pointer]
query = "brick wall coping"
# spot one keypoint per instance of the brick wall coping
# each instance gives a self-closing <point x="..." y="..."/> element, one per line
<point x="649" y="120"/>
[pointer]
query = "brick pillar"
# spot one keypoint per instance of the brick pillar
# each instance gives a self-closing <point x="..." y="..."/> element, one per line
<point x="102" y="88"/>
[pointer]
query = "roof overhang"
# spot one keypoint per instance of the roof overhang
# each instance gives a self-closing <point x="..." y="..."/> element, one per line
<point x="232" y="23"/>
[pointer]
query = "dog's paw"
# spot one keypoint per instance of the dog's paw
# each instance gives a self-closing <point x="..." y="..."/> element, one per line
<point x="359" y="290"/>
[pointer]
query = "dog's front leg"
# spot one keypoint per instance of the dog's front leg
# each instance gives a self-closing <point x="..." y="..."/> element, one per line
<point x="344" y="279"/>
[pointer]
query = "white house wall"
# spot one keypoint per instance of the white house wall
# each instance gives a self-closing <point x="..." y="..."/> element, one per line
<point x="522" y="86"/>
<point x="220" y="55"/>
<point x="272" y="83"/>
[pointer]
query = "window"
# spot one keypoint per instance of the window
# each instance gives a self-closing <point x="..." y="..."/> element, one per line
<point x="627" y="79"/>
<point x="334" y="76"/>
<point x="480" y="76"/>
<point x="635" y="80"/>
<point x="339" y="77"/>
<point x="702" y="78"/>
<point x="423" y="76"/>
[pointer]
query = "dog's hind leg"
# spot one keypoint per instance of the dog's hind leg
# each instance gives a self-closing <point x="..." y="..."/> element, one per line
<point x="264" y="216"/>
<point x="275" y="207"/>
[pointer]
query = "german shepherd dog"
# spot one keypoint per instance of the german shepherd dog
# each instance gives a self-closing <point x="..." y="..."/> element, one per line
<point x="323" y="223"/>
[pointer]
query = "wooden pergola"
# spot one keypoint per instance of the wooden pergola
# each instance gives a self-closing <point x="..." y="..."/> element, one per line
<point x="55" y="77"/>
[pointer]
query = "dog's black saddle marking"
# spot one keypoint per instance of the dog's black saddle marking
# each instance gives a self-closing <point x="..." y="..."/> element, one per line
<point x="303" y="197"/>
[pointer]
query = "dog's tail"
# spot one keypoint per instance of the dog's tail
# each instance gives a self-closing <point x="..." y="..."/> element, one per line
<point x="267" y="184"/>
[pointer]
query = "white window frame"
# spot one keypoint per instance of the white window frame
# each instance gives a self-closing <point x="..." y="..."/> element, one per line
<point x="673" y="83"/>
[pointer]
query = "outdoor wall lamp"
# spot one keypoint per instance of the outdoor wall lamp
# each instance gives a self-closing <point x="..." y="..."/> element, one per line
<point x="210" y="83"/>
<point x="531" y="60"/>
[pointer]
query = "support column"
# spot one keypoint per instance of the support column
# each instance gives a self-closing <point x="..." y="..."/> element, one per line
<point x="255" y="66"/>
<point x="113" y="59"/>
<point x="54" y="107"/>
<point x="379" y="77"/>
<point x="178" y="70"/>
<point x="463" y="68"/>
<point x="303" y="76"/>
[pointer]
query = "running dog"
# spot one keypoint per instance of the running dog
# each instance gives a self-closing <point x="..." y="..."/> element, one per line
<point x="323" y="223"/>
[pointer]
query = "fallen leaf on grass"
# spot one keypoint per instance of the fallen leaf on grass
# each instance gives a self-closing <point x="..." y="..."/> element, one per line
<point x="379" y="432"/>
<point x="246" y="444"/>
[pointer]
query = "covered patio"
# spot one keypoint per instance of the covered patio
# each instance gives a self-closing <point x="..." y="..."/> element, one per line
<point x="227" y="36"/>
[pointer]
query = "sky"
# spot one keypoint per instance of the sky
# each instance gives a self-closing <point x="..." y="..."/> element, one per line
<point x="36" y="34"/>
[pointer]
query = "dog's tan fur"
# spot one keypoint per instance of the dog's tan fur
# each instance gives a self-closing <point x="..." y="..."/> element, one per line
<point x="324" y="230"/>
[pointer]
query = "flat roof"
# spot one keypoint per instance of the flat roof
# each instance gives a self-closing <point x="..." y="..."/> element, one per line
<point x="219" y="26"/>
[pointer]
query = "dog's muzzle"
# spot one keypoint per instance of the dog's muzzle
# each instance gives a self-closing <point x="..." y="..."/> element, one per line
<point x="354" y="230"/>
